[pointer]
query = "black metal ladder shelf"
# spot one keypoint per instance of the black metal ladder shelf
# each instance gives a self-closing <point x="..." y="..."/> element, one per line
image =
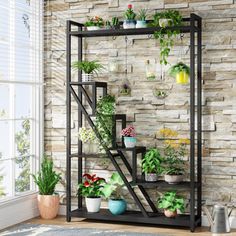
<point x="77" y="91"/>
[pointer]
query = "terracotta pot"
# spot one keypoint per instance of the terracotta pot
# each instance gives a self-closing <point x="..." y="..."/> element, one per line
<point x="174" y="179"/>
<point x="170" y="214"/>
<point x="48" y="206"/>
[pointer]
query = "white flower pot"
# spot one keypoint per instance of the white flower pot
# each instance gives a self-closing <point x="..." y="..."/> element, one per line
<point x="165" y="22"/>
<point x="129" y="24"/>
<point x="87" y="77"/>
<point x="130" y="142"/>
<point x="174" y="179"/>
<point x="151" y="177"/>
<point x="89" y="28"/>
<point x="93" y="204"/>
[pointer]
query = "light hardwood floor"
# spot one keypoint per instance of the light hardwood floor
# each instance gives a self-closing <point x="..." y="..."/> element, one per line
<point x="80" y="223"/>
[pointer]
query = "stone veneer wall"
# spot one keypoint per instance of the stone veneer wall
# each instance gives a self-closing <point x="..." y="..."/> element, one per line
<point x="148" y="113"/>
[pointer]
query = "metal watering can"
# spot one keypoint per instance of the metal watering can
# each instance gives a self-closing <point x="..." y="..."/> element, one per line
<point x="219" y="220"/>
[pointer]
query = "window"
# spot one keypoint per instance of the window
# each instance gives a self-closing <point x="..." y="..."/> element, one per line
<point x="21" y="95"/>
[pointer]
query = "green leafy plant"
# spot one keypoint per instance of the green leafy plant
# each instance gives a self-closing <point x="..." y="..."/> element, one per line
<point x="177" y="68"/>
<point x="91" y="186"/>
<point x="151" y="163"/>
<point x="130" y="14"/>
<point x="115" y="22"/>
<point x="108" y="24"/>
<point x="104" y="121"/>
<point x="142" y="14"/>
<point x="94" y="21"/>
<point x="160" y="93"/>
<point x="171" y="201"/>
<point x="88" y="67"/>
<point x="87" y="135"/>
<point x="166" y="35"/>
<point x="114" y="187"/>
<point x="47" y="178"/>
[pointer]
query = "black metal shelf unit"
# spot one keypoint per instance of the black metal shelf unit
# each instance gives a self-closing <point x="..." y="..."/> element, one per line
<point x="77" y="90"/>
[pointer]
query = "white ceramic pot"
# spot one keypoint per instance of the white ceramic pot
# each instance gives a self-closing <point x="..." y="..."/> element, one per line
<point x="165" y="22"/>
<point x="93" y="204"/>
<point x="89" y="28"/>
<point x="151" y="177"/>
<point x="170" y="214"/>
<point x="129" y="24"/>
<point x="87" y="77"/>
<point x="141" y="24"/>
<point x="130" y="142"/>
<point x="174" y="179"/>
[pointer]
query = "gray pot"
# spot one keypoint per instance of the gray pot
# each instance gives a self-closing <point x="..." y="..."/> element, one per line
<point x="174" y="179"/>
<point x="151" y="177"/>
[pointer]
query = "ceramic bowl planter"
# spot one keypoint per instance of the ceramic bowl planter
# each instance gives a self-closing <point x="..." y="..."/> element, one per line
<point x="170" y="214"/>
<point x="151" y="177"/>
<point x="141" y="24"/>
<point x="130" y="142"/>
<point x="117" y="206"/>
<point x="93" y="204"/>
<point x="129" y="24"/>
<point x="48" y="206"/>
<point x="174" y="179"/>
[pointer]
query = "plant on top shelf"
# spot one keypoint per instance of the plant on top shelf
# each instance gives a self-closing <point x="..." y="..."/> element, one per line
<point x="181" y="72"/>
<point x="129" y="136"/>
<point x="89" y="68"/>
<point x="129" y="22"/>
<point x="104" y="119"/>
<point x="151" y="164"/>
<point x="113" y="190"/>
<point x="174" y="151"/>
<point x="91" y="189"/>
<point x="47" y="179"/>
<point x="165" y="35"/>
<point x="94" y="23"/>
<point x="108" y="24"/>
<point x="115" y="24"/>
<point x="141" y="22"/>
<point x="171" y="202"/>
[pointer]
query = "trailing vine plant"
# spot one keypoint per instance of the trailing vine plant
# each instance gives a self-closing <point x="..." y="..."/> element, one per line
<point x="165" y="35"/>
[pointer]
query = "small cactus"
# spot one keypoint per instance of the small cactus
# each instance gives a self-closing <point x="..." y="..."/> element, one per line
<point x="115" y="21"/>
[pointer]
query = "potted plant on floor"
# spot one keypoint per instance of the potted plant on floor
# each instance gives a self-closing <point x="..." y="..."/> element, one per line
<point x="91" y="189"/>
<point x="141" y="22"/>
<point x="151" y="164"/>
<point x="129" y="136"/>
<point x="171" y="202"/>
<point x="115" y="24"/>
<point x="174" y="151"/>
<point x="113" y="190"/>
<point x="46" y="180"/>
<point x="181" y="72"/>
<point x="88" y="68"/>
<point x="129" y="22"/>
<point x="94" y="23"/>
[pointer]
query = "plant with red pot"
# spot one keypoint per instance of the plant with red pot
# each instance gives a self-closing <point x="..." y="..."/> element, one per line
<point x="129" y="136"/>
<point x="90" y="188"/>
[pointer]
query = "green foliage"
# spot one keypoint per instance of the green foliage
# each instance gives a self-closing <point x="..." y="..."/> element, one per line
<point x="165" y="35"/>
<point x="95" y="21"/>
<point x="2" y="193"/>
<point x="104" y="120"/>
<point x="87" y="135"/>
<point x="151" y="163"/>
<point x="47" y="178"/>
<point x="114" y="21"/>
<point x="113" y="187"/>
<point x="130" y="14"/>
<point x="88" y="67"/>
<point x="171" y="201"/>
<point x="142" y="14"/>
<point x="177" y="68"/>
<point x="108" y="23"/>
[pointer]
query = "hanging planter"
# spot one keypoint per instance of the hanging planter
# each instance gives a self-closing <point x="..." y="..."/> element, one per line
<point x="141" y="22"/>
<point x="160" y="93"/>
<point x="125" y="90"/>
<point x="150" y="71"/>
<point x="181" y="72"/>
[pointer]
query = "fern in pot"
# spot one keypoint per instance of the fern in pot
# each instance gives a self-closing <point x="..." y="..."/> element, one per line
<point x="46" y="180"/>
<point x="151" y="164"/>
<point x="89" y="68"/>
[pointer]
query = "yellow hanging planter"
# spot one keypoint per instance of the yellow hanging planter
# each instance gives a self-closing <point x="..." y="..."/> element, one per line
<point x="181" y="73"/>
<point x="182" y="77"/>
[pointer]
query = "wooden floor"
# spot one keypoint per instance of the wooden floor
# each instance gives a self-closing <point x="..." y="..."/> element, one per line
<point x="60" y="220"/>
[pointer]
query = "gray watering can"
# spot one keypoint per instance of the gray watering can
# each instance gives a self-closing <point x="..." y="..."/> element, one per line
<point x="219" y="220"/>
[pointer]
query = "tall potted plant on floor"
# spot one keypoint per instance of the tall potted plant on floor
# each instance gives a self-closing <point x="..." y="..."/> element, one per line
<point x="91" y="189"/>
<point x="113" y="191"/>
<point x="46" y="180"/>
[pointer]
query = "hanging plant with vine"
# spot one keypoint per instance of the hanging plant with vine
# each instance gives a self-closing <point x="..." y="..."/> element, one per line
<point x="165" y="35"/>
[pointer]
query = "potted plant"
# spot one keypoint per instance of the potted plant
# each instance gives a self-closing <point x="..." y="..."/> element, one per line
<point x="125" y="90"/>
<point x="108" y="24"/>
<point x="141" y="22"/>
<point x="129" y="22"/>
<point x="91" y="189"/>
<point x="88" y="68"/>
<point x="46" y="180"/>
<point x="94" y="23"/>
<point x="112" y="190"/>
<point x="129" y="136"/>
<point x="115" y="24"/>
<point x="151" y="164"/>
<point x="174" y="150"/>
<point x="166" y="35"/>
<point x="181" y="72"/>
<point x="171" y="202"/>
